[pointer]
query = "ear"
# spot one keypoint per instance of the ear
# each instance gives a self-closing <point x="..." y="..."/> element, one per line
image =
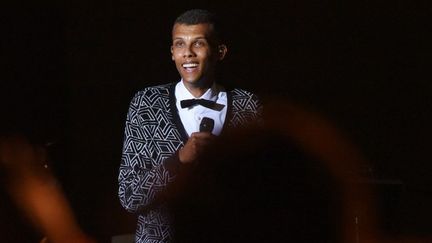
<point x="222" y="50"/>
<point x="172" y="51"/>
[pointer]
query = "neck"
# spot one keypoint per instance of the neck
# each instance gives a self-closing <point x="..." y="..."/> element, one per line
<point x="197" y="90"/>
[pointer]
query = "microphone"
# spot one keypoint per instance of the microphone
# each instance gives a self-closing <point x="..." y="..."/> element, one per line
<point x="206" y="125"/>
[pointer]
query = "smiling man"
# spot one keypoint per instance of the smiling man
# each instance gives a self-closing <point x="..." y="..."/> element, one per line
<point x="195" y="51"/>
<point x="164" y="130"/>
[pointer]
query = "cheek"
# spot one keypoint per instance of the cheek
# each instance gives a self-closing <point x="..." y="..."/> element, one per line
<point x="175" y="58"/>
<point x="175" y="55"/>
<point x="205" y="56"/>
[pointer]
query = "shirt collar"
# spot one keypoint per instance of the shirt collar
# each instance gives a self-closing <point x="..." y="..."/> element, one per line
<point x="182" y="93"/>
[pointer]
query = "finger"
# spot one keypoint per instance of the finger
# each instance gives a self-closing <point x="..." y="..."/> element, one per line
<point x="203" y="134"/>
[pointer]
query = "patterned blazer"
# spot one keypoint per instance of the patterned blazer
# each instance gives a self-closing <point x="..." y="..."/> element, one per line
<point x="149" y="163"/>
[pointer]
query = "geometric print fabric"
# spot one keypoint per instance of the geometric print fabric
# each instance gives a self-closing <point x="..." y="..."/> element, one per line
<point x="153" y="134"/>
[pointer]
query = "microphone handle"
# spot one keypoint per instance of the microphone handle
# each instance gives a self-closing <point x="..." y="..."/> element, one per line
<point x="206" y="125"/>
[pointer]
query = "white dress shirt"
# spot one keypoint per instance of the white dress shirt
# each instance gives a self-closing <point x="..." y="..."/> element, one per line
<point x="191" y="116"/>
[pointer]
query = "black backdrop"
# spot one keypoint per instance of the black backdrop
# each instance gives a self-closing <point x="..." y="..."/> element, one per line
<point x="70" y="69"/>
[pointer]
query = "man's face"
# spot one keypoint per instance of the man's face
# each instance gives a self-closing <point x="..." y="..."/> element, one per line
<point x="195" y="53"/>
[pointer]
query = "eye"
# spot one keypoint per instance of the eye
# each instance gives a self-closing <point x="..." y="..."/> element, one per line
<point x="199" y="43"/>
<point x="178" y="44"/>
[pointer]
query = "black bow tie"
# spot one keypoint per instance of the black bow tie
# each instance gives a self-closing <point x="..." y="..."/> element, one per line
<point x="206" y="103"/>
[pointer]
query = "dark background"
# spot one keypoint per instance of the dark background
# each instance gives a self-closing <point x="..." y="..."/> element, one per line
<point x="71" y="68"/>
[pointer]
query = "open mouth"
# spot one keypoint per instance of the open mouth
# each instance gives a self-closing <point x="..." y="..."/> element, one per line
<point x="190" y="66"/>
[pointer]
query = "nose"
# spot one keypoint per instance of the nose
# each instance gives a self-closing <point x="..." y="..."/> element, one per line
<point x="189" y="52"/>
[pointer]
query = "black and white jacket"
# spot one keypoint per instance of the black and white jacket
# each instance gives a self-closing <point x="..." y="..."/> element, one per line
<point x="153" y="134"/>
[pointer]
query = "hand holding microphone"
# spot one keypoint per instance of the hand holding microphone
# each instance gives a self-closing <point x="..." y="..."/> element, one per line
<point x="197" y="142"/>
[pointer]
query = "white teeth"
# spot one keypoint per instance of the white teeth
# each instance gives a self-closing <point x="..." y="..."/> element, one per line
<point x="190" y="65"/>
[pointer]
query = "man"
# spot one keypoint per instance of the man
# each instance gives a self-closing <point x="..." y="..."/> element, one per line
<point x="162" y="131"/>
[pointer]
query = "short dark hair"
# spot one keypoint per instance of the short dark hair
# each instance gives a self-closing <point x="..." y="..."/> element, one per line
<point x="201" y="16"/>
<point x="196" y="16"/>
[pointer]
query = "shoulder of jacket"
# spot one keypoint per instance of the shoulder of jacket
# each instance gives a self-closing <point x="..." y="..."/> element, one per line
<point x="238" y="93"/>
<point x="162" y="89"/>
<point x="157" y="88"/>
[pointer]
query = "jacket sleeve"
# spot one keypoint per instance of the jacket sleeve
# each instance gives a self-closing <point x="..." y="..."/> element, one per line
<point x="258" y="109"/>
<point x="141" y="179"/>
<point x="247" y="109"/>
